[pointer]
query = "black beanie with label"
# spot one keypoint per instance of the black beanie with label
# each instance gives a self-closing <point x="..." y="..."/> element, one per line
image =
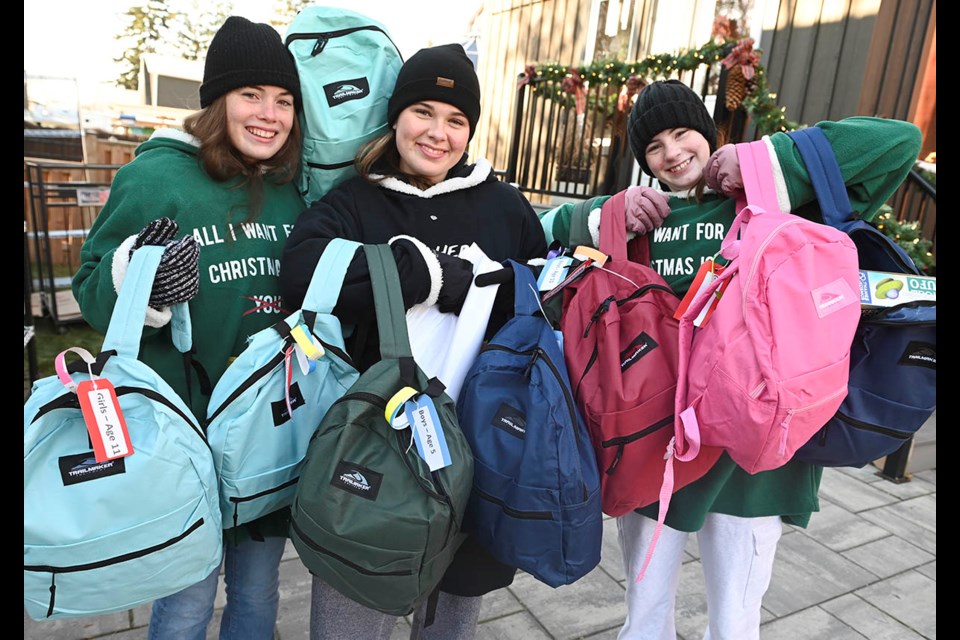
<point x="245" y="54"/>
<point x="667" y="104"/>
<point x="443" y="73"/>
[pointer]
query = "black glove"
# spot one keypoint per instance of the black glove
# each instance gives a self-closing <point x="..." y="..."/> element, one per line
<point x="178" y="276"/>
<point x="457" y="278"/>
<point x="157" y="232"/>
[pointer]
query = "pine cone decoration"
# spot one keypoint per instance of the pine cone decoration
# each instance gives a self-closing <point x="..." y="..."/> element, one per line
<point x="736" y="88"/>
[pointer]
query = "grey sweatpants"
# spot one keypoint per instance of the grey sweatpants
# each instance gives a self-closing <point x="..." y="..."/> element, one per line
<point x="334" y="616"/>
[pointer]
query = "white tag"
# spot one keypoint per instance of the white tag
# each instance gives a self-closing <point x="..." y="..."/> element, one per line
<point x="428" y="432"/>
<point x="554" y="272"/>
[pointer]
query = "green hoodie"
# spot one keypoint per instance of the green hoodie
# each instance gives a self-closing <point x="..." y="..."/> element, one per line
<point x="239" y="261"/>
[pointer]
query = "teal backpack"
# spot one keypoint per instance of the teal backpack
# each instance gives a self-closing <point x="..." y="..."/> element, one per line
<point x="371" y="518"/>
<point x="108" y="535"/>
<point x="266" y="406"/>
<point x="348" y="66"/>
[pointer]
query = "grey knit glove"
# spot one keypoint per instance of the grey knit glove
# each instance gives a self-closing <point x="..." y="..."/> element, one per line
<point x="178" y="276"/>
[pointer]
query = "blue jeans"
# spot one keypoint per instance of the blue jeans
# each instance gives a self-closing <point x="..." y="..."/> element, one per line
<point x="252" y="577"/>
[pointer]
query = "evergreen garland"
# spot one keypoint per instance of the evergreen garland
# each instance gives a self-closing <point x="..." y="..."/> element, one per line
<point x="562" y="82"/>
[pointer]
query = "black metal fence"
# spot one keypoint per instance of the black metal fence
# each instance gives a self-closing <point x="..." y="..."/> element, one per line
<point x="561" y="148"/>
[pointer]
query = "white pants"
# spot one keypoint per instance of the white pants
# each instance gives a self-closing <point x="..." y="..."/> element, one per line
<point x="737" y="556"/>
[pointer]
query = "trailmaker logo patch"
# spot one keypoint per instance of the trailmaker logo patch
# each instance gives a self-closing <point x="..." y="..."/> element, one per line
<point x="511" y="420"/>
<point x="346" y="90"/>
<point x="279" y="408"/>
<point x="84" y="466"/>
<point x="920" y="354"/>
<point x="357" y="480"/>
<point x="641" y="346"/>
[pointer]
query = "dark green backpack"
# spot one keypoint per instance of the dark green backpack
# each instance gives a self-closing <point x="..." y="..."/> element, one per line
<point x="369" y="517"/>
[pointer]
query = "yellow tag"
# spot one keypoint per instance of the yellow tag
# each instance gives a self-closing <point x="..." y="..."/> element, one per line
<point x="584" y="253"/>
<point x="310" y="347"/>
<point x="396" y="403"/>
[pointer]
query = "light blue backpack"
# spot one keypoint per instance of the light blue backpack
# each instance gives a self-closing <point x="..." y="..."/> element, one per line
<point x="264" y="408"/>
<point x="107" y="536"/>
<point x="348" y="65"/>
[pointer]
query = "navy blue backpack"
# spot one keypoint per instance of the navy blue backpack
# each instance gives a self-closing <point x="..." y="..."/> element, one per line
<point x="893" y="360"/>
<point x="535" y="503"/>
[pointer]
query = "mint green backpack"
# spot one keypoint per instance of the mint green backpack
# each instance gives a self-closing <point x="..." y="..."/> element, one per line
<point x="370" y="518"/>
<point x="348" y="65"/>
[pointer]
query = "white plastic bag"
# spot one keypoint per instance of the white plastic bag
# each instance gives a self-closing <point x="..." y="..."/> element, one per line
<point x="445" y="344"/>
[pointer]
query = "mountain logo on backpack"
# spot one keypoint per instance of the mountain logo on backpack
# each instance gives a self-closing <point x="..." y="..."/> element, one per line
<point x="345" y="90"/>
<point x="281" y="414"/>
<point x="84" y="466"/>
<point x="510" y="420"/>
<point x="641" y="346"/>
<point x="920" y="354"/>
<point x="354" y="478"/>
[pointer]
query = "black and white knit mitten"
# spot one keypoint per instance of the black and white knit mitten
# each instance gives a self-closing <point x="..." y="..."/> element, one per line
<point x="157" y="232"/>
<point x="178" y="276"/>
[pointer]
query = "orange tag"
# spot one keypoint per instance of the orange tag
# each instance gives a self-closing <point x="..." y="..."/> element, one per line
<point x="708" y="272"/>
<point x="105" y="423"/>
<point x="589" y="253"/>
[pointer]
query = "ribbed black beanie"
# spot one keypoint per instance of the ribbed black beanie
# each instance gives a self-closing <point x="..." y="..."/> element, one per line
<point x="667" y="104"/>
<point x="243" y="54"/>
<point x="443" y="73"/>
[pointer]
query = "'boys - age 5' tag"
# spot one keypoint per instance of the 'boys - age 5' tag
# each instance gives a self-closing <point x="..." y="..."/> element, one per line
<point x="427" y="432"/>
<point x="104" y="420"/>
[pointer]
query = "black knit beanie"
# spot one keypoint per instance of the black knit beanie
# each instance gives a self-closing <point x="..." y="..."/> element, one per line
<point x="667" y="104"/>
<point x="244" y="54"/>
<point x="443" y="73"/>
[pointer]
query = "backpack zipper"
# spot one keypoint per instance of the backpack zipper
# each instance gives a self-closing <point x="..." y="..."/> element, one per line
<point x="69" y="400"/>
<point x="327" y="552"/>
<point x="236" y="500"/>
<point x="510" y="511"/>
<point x="323" y="37"/>
<point x="863" y="426"/>
<point x="250" y="381"/>
<point x="785" y="425"/>
<point x="756" y="258"/>
<point x="622" y="441"/>
<point x="53" y="571"/>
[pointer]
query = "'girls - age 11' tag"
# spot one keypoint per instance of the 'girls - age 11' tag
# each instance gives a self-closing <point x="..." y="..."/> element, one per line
<point x="104" y="420"/>
<point x="708" y="272"/>
<point x="427" y="432"/>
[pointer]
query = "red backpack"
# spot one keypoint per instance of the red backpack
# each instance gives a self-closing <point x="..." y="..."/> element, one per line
<point x="621" y="348"/>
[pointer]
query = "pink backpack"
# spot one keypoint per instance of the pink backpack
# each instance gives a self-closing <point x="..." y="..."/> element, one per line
<point x="771" y="365"/>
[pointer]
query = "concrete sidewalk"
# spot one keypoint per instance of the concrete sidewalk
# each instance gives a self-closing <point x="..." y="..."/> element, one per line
<point x="865" y="568"/>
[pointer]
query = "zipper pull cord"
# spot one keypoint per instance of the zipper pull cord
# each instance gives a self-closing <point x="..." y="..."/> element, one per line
<point x="533" y="360"/>
<point x="320" y="46"/>
<point x="602" y="309"/>
<point x="785" y="430"/>
<point x="616" y="459"/>
<point x="53" y="593"/>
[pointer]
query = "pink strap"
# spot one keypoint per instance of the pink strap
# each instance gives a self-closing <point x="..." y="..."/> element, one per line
<point x="60" y="365"/>
<point x="613" y="227"/>
<point x="666" y="491"/>
<point x="757" y="174"/>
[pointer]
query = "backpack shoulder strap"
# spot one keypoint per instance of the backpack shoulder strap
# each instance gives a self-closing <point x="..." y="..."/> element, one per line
<point x="388" y="301"/>
<point x="758" y="184"/>
<point x="525" y="293"/>
<point x="327" y="280"/>
<point x="825" y="175"/>
<point x="126" y="322"/>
